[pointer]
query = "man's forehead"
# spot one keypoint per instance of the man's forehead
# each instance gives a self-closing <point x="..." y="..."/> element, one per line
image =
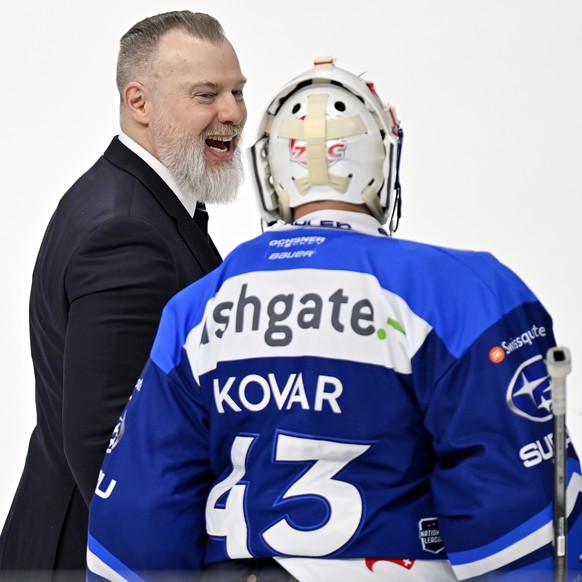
<point x="177" y="46"/>
<point x="180" y="53"/>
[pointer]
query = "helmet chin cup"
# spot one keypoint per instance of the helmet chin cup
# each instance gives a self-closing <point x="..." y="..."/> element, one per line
<point x="327" y="136"/>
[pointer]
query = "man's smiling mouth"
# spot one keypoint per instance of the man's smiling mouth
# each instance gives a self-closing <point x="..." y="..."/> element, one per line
<point x="219" y="143"/>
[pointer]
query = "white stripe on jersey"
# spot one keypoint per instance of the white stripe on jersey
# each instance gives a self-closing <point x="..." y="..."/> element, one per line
<point x="361" y="321"/>
<point x="310" y="570"/>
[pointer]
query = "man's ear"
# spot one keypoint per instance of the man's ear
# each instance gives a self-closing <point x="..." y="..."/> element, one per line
<point x="136" y="100"/>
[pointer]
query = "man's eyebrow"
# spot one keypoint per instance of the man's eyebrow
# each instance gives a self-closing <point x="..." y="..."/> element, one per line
<point x="205" y="85"/>
<point x="216" y="86"/>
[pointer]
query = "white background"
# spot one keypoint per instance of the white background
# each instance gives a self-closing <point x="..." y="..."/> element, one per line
<point x="489" y="93"/>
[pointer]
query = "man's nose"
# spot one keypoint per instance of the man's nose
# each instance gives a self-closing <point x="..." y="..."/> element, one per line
<point x="232" y="111"/>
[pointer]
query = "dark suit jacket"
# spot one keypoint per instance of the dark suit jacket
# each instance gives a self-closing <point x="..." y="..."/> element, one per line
<point x="119" y="245"/>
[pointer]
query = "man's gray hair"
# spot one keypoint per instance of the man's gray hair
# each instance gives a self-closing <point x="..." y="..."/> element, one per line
<point x="138" y="46"/>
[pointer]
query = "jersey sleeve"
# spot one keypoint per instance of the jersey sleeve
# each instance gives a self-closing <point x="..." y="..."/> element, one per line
<point x="147" y="513"/>
<point x="490" y="415"/>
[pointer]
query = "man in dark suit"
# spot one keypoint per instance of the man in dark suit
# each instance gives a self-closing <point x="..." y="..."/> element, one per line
<point x="127" y="236"/>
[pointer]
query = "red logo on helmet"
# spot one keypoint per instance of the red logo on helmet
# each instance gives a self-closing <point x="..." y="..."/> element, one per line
<point x="335" y="150"/>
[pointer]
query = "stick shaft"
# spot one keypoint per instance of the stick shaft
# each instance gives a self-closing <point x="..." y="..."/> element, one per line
<point x="560" y="515"/>
<point x="559" y="366"/>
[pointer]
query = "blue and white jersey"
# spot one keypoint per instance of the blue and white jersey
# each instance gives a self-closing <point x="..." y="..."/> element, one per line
<point x="344" y="402"/>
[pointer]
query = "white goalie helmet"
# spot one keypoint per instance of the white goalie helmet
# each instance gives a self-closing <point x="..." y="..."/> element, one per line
<point x="328" y="136"/>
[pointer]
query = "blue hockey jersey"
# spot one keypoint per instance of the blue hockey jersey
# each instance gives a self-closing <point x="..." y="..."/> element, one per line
<point x="333" y="396"/>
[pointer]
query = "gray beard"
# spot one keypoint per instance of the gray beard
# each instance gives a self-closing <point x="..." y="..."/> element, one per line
<point x="217" y="184"/>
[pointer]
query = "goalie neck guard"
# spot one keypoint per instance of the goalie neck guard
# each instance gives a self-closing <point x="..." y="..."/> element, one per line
<point x="328" y="136"/>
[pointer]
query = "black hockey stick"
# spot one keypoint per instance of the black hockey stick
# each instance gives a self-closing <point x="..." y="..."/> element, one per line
<point x="559" y="365"/>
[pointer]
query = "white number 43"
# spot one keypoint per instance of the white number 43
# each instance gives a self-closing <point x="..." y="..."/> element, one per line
<point x="344" y="499"/>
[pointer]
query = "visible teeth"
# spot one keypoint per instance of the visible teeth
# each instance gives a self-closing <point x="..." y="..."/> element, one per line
<point x="219" y="143"/>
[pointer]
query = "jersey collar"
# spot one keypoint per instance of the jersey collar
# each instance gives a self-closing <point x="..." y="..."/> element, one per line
<point x="342" y="219"/>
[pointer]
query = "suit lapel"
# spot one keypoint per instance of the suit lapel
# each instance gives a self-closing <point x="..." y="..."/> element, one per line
<point x="193" y="231"/>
